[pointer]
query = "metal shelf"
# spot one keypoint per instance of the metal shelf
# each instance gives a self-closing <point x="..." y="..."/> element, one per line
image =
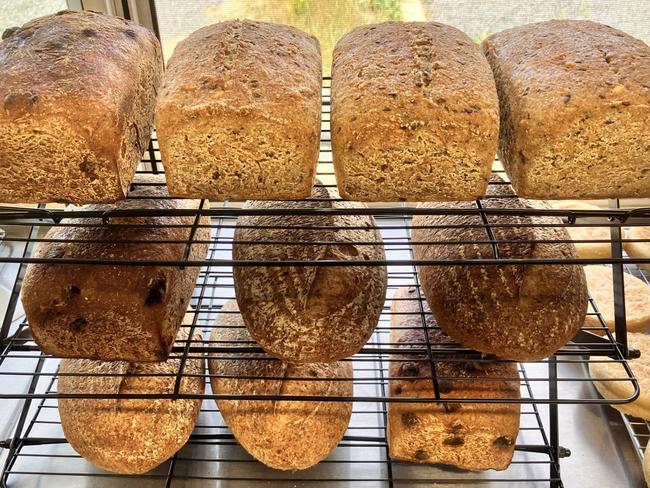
<point x="38" y="453"/>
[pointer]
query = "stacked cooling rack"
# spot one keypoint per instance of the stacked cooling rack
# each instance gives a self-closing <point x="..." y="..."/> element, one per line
<point x="37" y="454"/>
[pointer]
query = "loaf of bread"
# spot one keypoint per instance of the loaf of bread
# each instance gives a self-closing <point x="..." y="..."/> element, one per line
<point x="307" y="314"/>
<point x="414" y="114"/>
<point x="600" y="283"/>
<point x="523" y="311"/>
<point x="639" y="245"/>
<point x="239" y="113"/>
<point x="472" y="436"/>
<point x="579" y="234"/>
<point x="575" y="117"/>
<point x="78" y="92"/>
<point x="126" y="312"/>
<point x="609" y="377"/>
<point x="290" y="434"/>
<point x="129" y="435"/>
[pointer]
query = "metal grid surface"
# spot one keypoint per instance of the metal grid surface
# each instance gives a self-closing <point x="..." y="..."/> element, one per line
<point x="361" y="459"/>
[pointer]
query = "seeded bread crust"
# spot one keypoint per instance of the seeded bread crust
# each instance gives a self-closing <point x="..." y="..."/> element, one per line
<point x="470" y="436"/>
<point x="129" y="313"/>
<point x="307" y="314"/>
<point x="522" y="312"/>
<point x="129" y="436"/>
<point x="286" y="435"/>
<point x="414" y="114"/>
<point x="575" y="109"/>
<point x="239" y="113"/>
<point x="78" y="92"/>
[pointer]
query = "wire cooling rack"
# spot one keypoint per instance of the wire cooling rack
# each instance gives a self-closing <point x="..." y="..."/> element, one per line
<point x="38" y="454"/>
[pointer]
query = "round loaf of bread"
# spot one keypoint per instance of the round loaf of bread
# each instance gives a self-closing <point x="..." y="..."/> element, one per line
<point x="521" y="312"/>
<point x="306" y="314"/>
<point x="639" y="249"/>
<point x="129" y="436"/>
<point x="600" y="282"/>
<point x="609" y="369"/>
<point x="286" y="435"/>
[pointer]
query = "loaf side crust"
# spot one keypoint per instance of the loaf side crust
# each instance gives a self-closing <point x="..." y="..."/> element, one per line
<point x="286" y="435"/>
<point x="414" y="114"/>
<point x="309" y="313"/>
<point x="575" y="111"/>
<point x="471" y="436"/>
<point x="239" y="113"/>
<point x="130" y="436"/>
<point x="78" y="91"/>
<point x="129" y="313"/>
<point x="523" y="312"/>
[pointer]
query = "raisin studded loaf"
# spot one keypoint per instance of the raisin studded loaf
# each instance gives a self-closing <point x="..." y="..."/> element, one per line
<point x="472" y="436"/>
<point x="128" y="312"/>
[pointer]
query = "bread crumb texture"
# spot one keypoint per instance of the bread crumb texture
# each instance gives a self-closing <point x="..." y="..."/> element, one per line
<point x="238" y="116"/>
<point x="414" y="114"/>
<point x="78" y="93"/>
<point x="575" y="109"/>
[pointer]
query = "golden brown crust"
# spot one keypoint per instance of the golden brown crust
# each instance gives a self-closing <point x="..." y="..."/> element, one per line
<point x="309" y="313"/>
<point x="523" y="312"/>
<point x="600" y="282"/>
<point x="574" y="109"/>
<point x="414" y="114"/>
<point x="129" y="435"/>
<point x="638" y="249"/>
<point x="239" y="113"/>
<point x="129" y="313"/>
<point x="285" y="435"/>
<point x="471" y="436"/>
<point x="78" y="91"/>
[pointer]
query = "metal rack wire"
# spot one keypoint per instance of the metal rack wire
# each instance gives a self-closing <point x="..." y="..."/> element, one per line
<point x="38" y="449"/>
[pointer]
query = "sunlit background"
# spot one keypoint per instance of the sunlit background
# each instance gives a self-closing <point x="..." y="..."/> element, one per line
<point x="330" y="19"/>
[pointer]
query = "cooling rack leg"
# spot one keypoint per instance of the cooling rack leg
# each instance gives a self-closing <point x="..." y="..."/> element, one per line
<point x="15" y="291"/>
<point x="21" y="423"/>
<point x="619" y="290"/>
<point x="554" y="427"/>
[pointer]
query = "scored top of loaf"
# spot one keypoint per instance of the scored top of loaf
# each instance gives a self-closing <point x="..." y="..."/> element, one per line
<point x="244" y="64"/>
<point x="377" y="63"/>
<point x="565" y="67"/>
<point x="80" y="57"/>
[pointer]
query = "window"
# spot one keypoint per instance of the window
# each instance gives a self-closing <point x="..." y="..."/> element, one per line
<point x="15" y="13"/>
<point x="329" y="20"/>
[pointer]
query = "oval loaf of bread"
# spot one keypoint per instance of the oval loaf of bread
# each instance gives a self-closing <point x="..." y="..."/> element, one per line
<point x="129" y="435"/>
<point x="309" y="313"/>
<point x="522" y="312"/>
<point x="285" y="435"/>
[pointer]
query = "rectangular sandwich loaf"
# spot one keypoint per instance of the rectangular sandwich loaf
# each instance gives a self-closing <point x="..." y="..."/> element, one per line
<point x="414" y="114"/>
<point x="78" y="93"/>
<point x="239" y="113"/>
<point x="575" y="109"/>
